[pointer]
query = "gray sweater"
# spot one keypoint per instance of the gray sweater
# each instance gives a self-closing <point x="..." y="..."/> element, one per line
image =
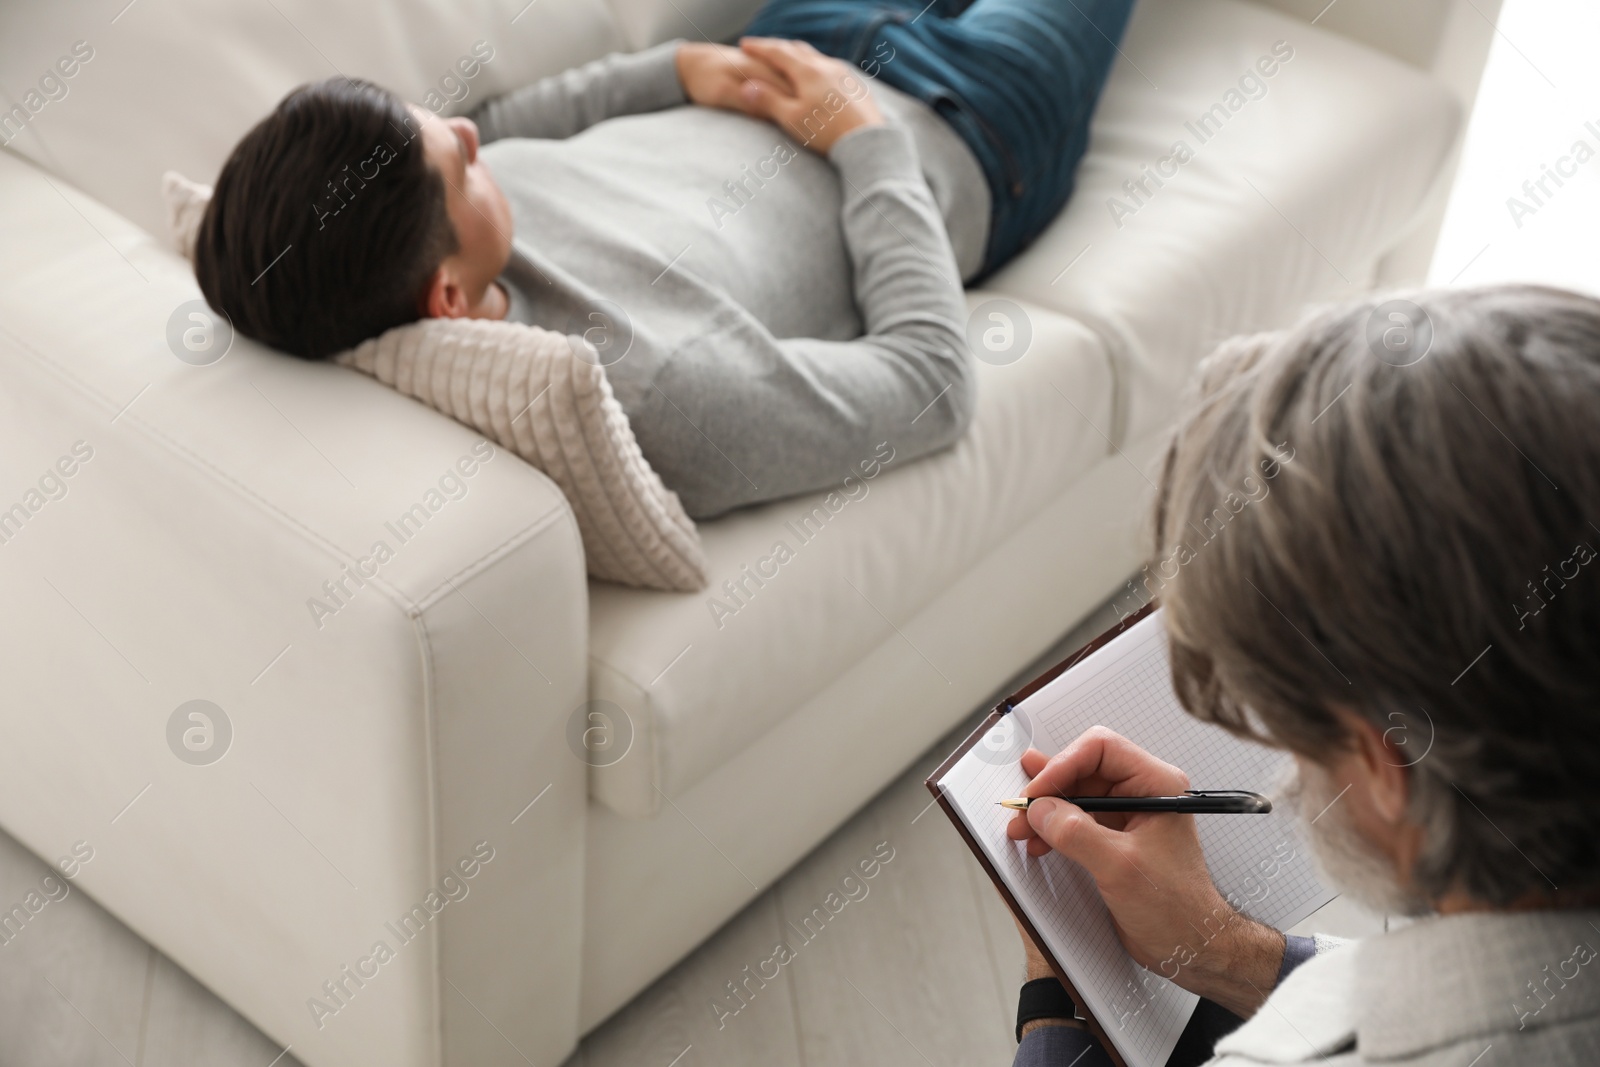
<point x="768" y="318"/>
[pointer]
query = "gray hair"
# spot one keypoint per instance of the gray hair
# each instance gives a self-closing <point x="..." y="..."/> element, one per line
<point x="1419" y="549"/>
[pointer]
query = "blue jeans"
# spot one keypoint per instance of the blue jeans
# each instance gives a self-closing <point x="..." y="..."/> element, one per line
<point x="1017" y="80"/>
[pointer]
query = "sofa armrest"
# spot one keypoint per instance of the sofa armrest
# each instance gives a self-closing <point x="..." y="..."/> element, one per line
<point x="390" y="713"/>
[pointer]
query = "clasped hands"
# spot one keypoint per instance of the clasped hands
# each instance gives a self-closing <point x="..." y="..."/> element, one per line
<point x="814" y="98"/>
<point x="1149" y="869"/>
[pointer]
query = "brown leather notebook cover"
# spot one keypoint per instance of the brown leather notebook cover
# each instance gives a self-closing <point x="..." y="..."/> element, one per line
<point x="1002" y="709"/>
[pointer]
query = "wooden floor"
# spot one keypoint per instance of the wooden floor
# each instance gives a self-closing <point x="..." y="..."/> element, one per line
<point x="921" y="971"/>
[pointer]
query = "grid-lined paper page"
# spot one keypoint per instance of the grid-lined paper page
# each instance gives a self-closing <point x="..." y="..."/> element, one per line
<point x="1143" y="1013"/>
<point x="1258" y="861"/>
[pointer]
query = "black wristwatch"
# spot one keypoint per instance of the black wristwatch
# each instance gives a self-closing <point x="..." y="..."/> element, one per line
<point x="1043" y="998"/>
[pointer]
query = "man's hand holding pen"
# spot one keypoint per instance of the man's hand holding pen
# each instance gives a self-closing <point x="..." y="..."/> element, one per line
<point x="1149" y="869"/>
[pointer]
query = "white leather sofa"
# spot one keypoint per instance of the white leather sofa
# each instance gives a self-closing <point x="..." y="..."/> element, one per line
<point x="371" y="754"/>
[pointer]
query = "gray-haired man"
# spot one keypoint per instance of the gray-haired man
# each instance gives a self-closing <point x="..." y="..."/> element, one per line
<point x="1413" y="614"/>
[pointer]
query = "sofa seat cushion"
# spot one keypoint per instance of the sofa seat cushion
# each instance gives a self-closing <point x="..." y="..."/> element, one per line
<point x="1295" y="184"/>
<point x="802" y="589"/>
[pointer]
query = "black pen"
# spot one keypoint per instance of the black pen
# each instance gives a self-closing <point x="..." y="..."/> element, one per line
<point x="1192" y="802"/>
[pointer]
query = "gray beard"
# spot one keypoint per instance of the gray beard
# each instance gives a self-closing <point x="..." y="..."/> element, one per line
<point x="1347" y="860"/>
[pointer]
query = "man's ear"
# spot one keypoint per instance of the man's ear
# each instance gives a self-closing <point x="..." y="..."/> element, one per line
<point x="1381" y="763"/>
<point x="443" y="296"/>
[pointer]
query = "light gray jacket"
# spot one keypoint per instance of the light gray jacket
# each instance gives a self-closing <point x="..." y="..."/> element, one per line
<point x="1481" y="990"/>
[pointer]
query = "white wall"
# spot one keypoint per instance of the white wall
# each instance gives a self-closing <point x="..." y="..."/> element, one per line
<point x="1540" y="89"/>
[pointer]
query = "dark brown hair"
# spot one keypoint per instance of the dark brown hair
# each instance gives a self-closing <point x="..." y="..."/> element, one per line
<point x="1421" y="551"/>
<point x="326" y="222"/>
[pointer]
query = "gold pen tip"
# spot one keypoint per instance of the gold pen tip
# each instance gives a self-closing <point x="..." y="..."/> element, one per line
<point x="1015" y="803"/>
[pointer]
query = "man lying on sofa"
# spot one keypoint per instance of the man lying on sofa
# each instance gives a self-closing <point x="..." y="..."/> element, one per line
<point x="1412" y="614"/>
<point x="768" y="315"/>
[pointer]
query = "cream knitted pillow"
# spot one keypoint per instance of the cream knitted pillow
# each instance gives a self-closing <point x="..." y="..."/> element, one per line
<point x="186" y="206"/>
<point x="529" y="390"/>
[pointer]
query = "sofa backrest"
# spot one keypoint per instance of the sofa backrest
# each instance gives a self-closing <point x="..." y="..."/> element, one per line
<point x="1411" y="32"/>
<point x="108" y="101"/>
<point x="1449" y="39"/>
<point x="173" y="84"/>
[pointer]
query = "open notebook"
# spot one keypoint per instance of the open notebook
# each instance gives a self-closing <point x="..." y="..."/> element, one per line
<point x="1257" y="861"/>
